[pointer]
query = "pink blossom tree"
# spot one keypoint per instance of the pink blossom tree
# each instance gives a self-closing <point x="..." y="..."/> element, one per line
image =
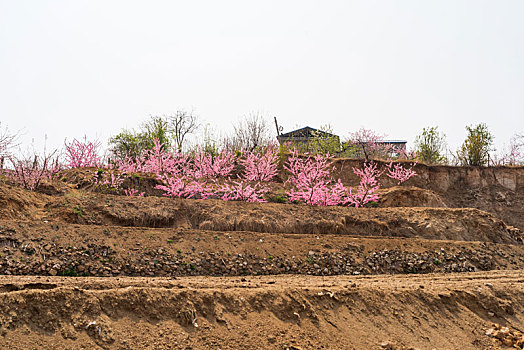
<point x="400" y="173"/>
<point x="207" y="165"/>
<point x="129" y="165"/>
<point x="367" y="189"/>
<point x="243" y="191"/>
<point x="260" y="166"/>
<point x="182" y="186"/>
<point x="173" y="186"/>
<point x="33" y="170"/>
<point x="108" y="178"/>
<point x="82" y="153"/>
<point x="371" y="146"/>
<point x="133" y="193"/>
<point x="310" y="177"/>
<point x="160" y="160"/>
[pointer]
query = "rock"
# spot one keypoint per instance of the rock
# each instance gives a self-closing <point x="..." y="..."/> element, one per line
<point x="387" y="345"/>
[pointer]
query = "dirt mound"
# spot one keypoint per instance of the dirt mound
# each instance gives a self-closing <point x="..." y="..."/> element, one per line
<point x="17" y="203"/>
<point x="83" y="179"/>
<point x="498" y="190"/>
<point x="296" y="312"/>
<point x="217" y="215"/>
<point x="398" y="196"/>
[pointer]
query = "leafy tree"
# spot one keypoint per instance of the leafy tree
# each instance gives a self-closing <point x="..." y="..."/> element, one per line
<point x="324" y="142"/>
<point x="430" y="145"/>
<point x="475" y="149"/>
<point x="130" y="144"/>
<point x="156" y="129"/>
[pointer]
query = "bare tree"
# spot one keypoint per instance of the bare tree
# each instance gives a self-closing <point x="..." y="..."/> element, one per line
<point x="31" y="168"/>
<point x="251" y="131"/>
<point x="519" y="139"/>
<point x="180" y="125"/>
<point x="8" y="141"/>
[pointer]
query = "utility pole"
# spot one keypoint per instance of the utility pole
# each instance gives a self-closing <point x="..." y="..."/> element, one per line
<point x="279" y="129"/>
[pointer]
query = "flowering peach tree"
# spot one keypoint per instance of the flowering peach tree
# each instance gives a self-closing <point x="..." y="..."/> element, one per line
<point x="399" y="172"/>
<point x="260" y="166"/>
<point x="82" y="153"/>
<point x="312" y="184"/>
<point x="242" y="176"/>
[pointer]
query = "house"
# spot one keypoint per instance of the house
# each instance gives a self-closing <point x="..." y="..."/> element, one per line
<point x="305" y="135"/>
<point x="309" y="139"/>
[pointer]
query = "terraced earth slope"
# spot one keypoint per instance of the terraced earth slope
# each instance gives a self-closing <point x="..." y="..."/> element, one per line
<point x="439" y="264"/>
<point x="452" y="311"/>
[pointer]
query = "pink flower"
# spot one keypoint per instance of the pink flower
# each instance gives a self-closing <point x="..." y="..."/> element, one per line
<point x="82" y="153"/>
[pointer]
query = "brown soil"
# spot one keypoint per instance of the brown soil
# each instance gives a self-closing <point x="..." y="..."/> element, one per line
<point x="499" y="190"/>
<point x="453" y="311"/>
<point x="409" y="196"/>
<point x="265" y="276"/>
<point x="39" y="248"/>
<point x="459" y="224"/>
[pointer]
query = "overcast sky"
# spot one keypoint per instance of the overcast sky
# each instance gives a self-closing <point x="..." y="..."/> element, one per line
<point x="69" y="68"/>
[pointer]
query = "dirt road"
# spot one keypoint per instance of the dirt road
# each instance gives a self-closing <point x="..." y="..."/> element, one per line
<point x="432" y="311"/>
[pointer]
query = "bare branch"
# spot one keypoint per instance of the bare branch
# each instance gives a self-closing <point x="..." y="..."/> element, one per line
<point x="251" y="132"/>
<point x="8" y="141"/>
<point x="181" y="124"/>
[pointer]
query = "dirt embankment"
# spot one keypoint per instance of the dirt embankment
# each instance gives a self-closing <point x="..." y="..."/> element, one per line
<point x="295" y="312"/>
<point x="40" y="248"/>
<point x="431" y="223"/>
<point x="84" y="233"/>
<point x="499" y="190"/>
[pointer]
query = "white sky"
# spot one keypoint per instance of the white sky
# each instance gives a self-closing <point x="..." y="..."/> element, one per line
<point x="69" y="68"/>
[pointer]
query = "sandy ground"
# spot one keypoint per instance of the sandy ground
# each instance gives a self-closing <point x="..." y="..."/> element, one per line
<point x="433" y="311"/>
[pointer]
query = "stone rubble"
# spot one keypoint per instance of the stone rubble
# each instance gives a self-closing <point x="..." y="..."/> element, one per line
<point x="41" y="258"/>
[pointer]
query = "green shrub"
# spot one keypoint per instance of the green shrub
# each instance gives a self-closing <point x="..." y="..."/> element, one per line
<point x="430" y="146"/>
<point x="277" y="199"/>
<point x="68" y="273"/>
<point x="475" y="149"/>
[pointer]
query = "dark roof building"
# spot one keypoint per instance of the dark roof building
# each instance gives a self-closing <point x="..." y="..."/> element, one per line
<point x="303" y="135"/>
<point x="309" y="139"/>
